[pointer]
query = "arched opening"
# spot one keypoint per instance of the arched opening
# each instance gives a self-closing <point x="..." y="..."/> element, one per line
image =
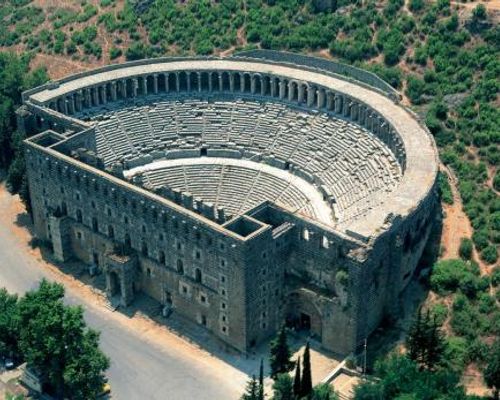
<point x="237" y="82"/>
<point x="197" y="275"/>
<point x="204" y="81"/>
<point x="172" y="82"/>
<point x="95" y="224"/>
<point x="258" y="84"/>
<point x="194" y="81"/>
<point x="64" y="208"/>
<point x="180" y="266"/>
<point x="225" y="81"/>
<point x="266" y="86"/>
<point x="114" y="284"/>
<point x="303" y="315"/>
<point x="183" y="81"/>
<point x="144" y="249"/>
<point x="162" y="81"/>
<point x="214" y="78"/>
<point x="79" y="217"/>
<point x="127" y="242"/>
<point x="129" y="84"/>
<point x="246" y="83"/>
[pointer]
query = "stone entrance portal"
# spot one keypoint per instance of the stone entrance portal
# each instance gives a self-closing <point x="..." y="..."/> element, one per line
<point x="120" y="274"/>
<point x="302" y="313"/>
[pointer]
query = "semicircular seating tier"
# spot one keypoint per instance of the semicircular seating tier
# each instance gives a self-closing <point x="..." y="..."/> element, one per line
<point x="345" y="160"/>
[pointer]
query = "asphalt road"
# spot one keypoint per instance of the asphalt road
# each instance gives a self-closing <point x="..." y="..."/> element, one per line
<point x="144" y="364"/>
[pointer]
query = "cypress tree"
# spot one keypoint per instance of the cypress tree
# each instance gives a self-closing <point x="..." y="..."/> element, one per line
<point x="280" y="355"/>
<point x="296" y="379"/>
<point x="435" y="346"/>
<point x="261" y="380"/>
<point x="425" y="341"/>
<point x="252" y="390"/>
<point x="415" y="338"/>
<point x="306" y="382"/>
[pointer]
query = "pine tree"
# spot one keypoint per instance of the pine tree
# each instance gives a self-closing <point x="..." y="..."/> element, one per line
<point x="261" y="380"/>
<point x="252" y="390"/>
<point x="296" y="379"/>
<point x="279" y="359"/>
<point x="414" y="340"/>
<point x="306" y="382"/>
<point x="435" y="345"/>
<point x="425" y="341"/>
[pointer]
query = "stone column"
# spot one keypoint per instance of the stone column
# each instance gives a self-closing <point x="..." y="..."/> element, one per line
<point x="263" y="85"/>
<point x="338" y="104"/>
<point x="242" y="83"/>
<point x="310" y="96"/>
<point x="198" y="74"/>
<point x="300" y="95"/>
<point x="282" y="89"/>
<point x="210" y="85"/>
<point x="71" y="104"/>
<point x="155" y="83"/>
<point x="113" y="91"/>
<point x="145" y="85"/>
<point x="252" y="84"/>
<point x="95" y="96"/>
<point x="221" y="82"/>
<point x="123" y="88"/>
<point x="291" y="90"/>
<point x="329" y="101"/>
<point x="79" y="98"/>
<point x="361" y="114"/>
<point x="346" y="107"/>
<point x="135" y="87"/>
<point x="354" y="111"/>
<point x="104" y="94"/>
<point x="188" y="82"/>
<point x="88" y="101"/>
<point x="177" y="82"/>
<point x="231" y="82"/>
<point x="273" y="86"/>
<point x="321" y="98"/>
<point x="165" y="76"/>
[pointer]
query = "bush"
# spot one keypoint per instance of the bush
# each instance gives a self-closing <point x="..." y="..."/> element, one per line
<point x="114" y="53"/>
<point x="495" y="276"/>
<point x="448" y="275"/>
<point x="489" y="254"/>
<point x="465" y="249"/>
<point x="445" y="188"/>
<point x="440" y="313"/>
<point x="480" y="239"/>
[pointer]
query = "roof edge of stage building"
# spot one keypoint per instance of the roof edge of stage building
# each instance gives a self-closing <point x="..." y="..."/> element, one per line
<point x="420" y="160"/>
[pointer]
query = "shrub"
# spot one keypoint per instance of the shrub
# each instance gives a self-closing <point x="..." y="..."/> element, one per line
<point x="445" y="188"/>
<point x="495" y="276"/>
<point x="465" y="249"/>
<point x="114" y="52"/>
<point x="448" y="275"/>
<point x="440" y="312"/>
<point x="489" y="254"/>
<point x="480" y="239"/>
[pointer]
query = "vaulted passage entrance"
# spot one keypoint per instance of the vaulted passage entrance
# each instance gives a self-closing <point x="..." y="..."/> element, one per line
<point x="302" y="314"/>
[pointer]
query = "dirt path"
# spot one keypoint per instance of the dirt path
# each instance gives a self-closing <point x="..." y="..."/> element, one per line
<point x="456" y="225"/>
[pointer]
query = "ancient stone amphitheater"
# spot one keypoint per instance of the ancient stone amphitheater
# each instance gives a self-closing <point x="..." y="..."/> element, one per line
<point x="242" y="193"/>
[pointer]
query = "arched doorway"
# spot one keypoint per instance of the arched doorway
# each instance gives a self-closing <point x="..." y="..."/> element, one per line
<point x="114" y="284"/>
<point x="302" y="314"/>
